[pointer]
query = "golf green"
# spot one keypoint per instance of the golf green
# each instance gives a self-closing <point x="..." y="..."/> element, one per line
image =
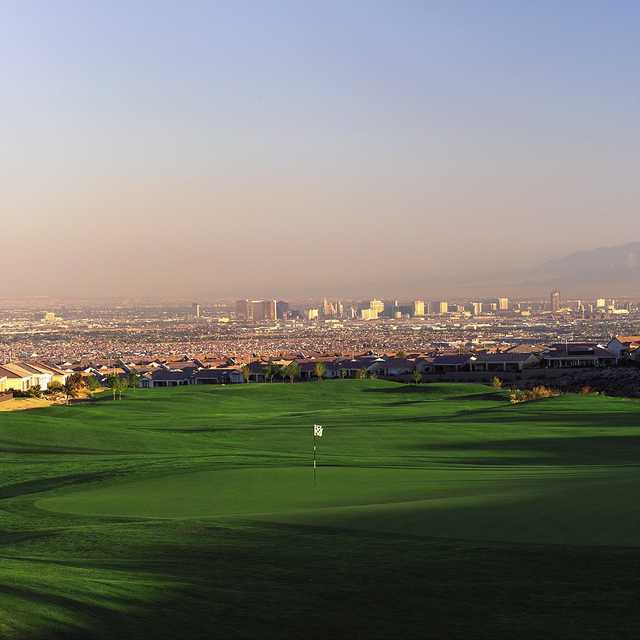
<point x="479" y="504"/>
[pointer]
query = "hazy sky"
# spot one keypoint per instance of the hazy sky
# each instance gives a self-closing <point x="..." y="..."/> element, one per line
<point x="288" y="148"/>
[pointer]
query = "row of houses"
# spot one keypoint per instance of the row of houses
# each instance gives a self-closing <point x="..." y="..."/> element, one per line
<point x="555" y="356"/>
<point x="23" y="376"/>
<point x="175" y="377"/>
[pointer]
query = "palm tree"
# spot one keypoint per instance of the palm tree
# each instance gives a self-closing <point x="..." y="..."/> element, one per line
<point x="320" y="369"/>
<point x="416" y="376"/>
<point x="268" y="372"/>
<point x="362" y="374"/>
<point x="132" y="380"/>
<point x="292" y="371"/>
<point x="246" y="373"/>
<point x="112" y="381"/>
<point x="343" y="373"/>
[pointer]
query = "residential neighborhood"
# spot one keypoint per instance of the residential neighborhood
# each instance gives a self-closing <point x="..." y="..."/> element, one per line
<point x="23" y="376"/>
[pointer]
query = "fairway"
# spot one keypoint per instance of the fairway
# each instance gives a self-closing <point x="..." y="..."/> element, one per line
<point x="441" y="507"/>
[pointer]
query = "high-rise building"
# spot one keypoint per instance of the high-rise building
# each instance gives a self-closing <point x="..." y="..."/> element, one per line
<point x="270" y="309"/>
<point x="282" y="309"/>
<point x="244" y="310"/>
<point x="555" y="300"/>
<point x="312" y="314"/>
<point x="368" y="314"/>
<point x="328" y="310"/>
<point x="256" y="310"/>
<point x="339" y="309"/>
<point x="477" y="308"/>
<point x="263" y="309"/>
<point x="195" y="310"/>
<point x="377" y="306"/>
<point x="601" y="303"/>
<point x="443" y="306"/>
<point x="503" y="304"/>
<point x="418" y="308"/>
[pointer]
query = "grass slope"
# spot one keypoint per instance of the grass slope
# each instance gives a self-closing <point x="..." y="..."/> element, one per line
<point x="440" y="511"/>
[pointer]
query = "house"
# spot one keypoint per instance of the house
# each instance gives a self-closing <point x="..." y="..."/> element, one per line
<point x="448" y="364"/>
<point x="40" y="377"/>
<point x="507" y="361"/>
<point x="391" y="367"/>
<point x="221" y="375"/>
<point x="162" y="377"/>
<point x="351" y="367"/>
<point x="16" y="378"/>
<point x="625" y="347"/>
<point x="57" y="375"/>
<point x="257" y="371"/>
<point x="308" y="368"/>
<point x="527" y="348"/>
<point x="577" y="354"/>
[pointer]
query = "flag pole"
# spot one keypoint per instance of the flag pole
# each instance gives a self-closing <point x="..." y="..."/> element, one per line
<point x="314" y="459"/>
<point x="317" y="433"/>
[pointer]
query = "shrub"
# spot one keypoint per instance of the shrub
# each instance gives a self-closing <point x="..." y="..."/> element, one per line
<point x="526" y="395"/>
<point x="35" y="392"/>
<point x="588" y="391"/>
<point x="543" y="392"/>
<point x="496" y="383"/>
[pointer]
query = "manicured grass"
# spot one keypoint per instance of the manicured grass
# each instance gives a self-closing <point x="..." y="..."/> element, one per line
<point x="440" y="511"/>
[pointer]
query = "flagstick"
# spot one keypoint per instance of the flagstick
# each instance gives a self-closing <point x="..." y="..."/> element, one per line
<point x="314" y="460"/>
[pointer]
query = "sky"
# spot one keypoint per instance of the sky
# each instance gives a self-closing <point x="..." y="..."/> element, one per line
<point x="291" y="149"/>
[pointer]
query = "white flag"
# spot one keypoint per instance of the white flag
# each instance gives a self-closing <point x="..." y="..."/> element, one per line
<point x="317" y="430"/>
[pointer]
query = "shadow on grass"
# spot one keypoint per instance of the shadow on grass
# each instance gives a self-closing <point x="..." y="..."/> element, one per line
<point x="275" y="581"/>
<point x="579" y="450"/>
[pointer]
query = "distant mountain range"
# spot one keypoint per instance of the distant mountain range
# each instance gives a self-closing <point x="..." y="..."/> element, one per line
<point x="598" y="272"/>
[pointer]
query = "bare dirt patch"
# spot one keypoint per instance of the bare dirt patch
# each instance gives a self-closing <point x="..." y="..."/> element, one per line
<point x="20" y="404"/>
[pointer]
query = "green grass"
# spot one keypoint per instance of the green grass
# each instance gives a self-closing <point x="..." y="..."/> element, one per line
<point x="440" y="511"/>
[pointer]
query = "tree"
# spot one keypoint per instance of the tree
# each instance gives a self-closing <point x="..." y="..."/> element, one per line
<point x="416" y="376"/>
<point x="91" y="382"/>
<point x="343" y="373"/>
<point x="292" y="371"/>
<point x="132" y="380"/>
<point x="35" y="391"/>
<point x="112" y="381"/>
<point x="77" y="379"/>
<point x="55" y="387"/>
<point x="496" y="382"/>
<point x="320" y="369"/>
<point x="268" y="372"/>
<point x="118" y="385"/>
<point x="401" y="354"/>
<point x="246" y="373"/>
<point x="72" y="386"/>
<point x="123" y="384"/>
<point x="362" y="374"/>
